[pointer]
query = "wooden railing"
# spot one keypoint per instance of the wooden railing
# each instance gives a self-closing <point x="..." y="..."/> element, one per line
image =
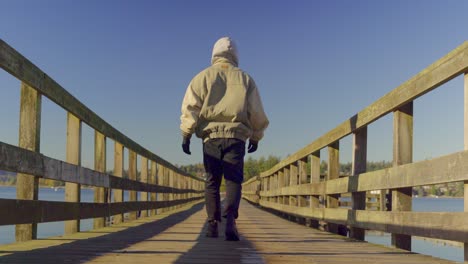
<point x="289" y="187"/>
<point x="162" y="186"/>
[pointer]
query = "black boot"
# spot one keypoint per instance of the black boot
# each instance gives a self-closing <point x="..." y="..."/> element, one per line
<point x="231" y="229"/>
<point x="212" y="229"/>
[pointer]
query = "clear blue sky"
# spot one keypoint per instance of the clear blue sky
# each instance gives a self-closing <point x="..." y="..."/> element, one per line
<point x="316" y="63"/>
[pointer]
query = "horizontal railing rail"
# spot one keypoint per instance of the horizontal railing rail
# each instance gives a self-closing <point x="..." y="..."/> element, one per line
<point x="294" y="186"/>
<point x="162" y="186"/>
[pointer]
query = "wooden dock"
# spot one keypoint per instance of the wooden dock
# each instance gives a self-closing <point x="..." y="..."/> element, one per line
<point x="178" y="237"/>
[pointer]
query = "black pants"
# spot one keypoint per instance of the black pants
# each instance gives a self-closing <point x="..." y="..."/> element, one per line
<point x="223" y="156"/>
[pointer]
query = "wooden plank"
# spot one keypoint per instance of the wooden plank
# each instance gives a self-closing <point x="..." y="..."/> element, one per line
<point x="132" y="175"/>
<point x="144" y="179"/>
<point x="20" y="67"/>
<point x="293" y="177"/>
<point x="29" y="138"/>
<point x="441" y="225"/>
<point x="100" y="193"/>
<point x="175" y="238"/>
<point x="402" y="154"/>
<point x="315" y="179"/>
<point x="333" y="173"/>
<point x="118" y="172"/>
<point x="358" y="199"/>
<point x="154" y="181"/>
<point x="438" y="73"/>
<point x="281" y="241"/>
<point x="28" y="211"/>
<point x="72" y="190"/>
<point x="302" y="200"/>
<point x="445" y="169"/>
<point x="48" y="168"/>
<point x="280" y="186"/>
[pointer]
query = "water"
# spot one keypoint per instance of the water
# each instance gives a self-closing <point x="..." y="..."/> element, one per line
<point x="7" y="233"/>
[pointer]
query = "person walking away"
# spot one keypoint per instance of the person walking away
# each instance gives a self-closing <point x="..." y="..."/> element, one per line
<point x="222" y="106"/>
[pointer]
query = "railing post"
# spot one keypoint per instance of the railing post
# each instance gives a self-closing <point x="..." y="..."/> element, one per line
<point x="358" y="199"/>
<point x="280" y="198"/>
<point x="166" y="183"/>
<point x="99" y="165"/>
<point x="333" y="173"/>
<point x="153" y="180"/>
<point x="118" y="171"/>
<point x="132" y="175"/>
<point x="72" y="190"/>
<point x="465" y="183"/>
<point x="29" y="138"/>
<point x="292" y="182"/>
<point x="301" y="199"/>
<point x="171" y="195"/>
<point x="314" y="178"/>
<point x="287" y="182"/>
<point x="275" y="186"/>
<point x="160" y="181"/>
<point x="402" y="154"/>
<point x="144" y="179"/>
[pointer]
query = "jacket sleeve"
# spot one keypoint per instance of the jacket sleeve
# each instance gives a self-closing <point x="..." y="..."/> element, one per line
<point x="257" y="117"/>
<point x="191" y="107"/>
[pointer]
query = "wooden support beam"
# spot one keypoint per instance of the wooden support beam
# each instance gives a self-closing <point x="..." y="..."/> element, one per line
<point x="73" y="190"/>
<point x="314" y="178"/>
<point x="100" y="193"/>
<point x="132" y="175"/>
<point x="280" y="186"/>
<point x="333" y="173"/>
<point x="402" y="154"/>
<point x="358" y="199"/>
<point x="144" y="179"/>
<point x="29" y="138"/>
<point x="153" y="180"/>
<point x="118" y="172"/>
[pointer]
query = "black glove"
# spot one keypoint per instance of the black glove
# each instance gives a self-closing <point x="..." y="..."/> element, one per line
<point x="253" y="145"/>
<point x="186" y="145"/>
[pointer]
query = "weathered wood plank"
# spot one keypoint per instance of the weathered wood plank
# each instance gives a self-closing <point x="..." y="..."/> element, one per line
<point x="72" y="190"/>
<point x="48" y="168"/>
<point x="445" y="169"/>
<point x="132" y="175"/>
<point x="100" y="193"/>
<point x="29" y="138"/>
<point x="441" y="71"/>
<point x="20" y="67"/>
<point x="178" y="238"/>
<point x="445" y="225"/>
<point x="118" y="172"/>
<point x="28" y="211"/>
<point x="359" y="159"/>
<point x="144" y="179"/>
<point x="333" y="173"/>
<point x="154" y="181"/>
<point x="402" y="154"/>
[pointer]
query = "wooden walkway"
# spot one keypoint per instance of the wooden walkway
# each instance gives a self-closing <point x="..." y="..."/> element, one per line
<point x="178" y="237"/>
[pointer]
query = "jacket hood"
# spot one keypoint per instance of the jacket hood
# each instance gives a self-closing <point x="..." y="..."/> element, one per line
<point x="225" y="48"/>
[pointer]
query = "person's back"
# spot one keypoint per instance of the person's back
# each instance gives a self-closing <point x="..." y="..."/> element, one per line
<point x="223" y="107"/>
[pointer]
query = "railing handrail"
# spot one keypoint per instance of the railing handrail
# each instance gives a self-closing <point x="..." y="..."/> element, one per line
<point x="441" y="71"/>
<point x="23" y="69"/>
<point x="290" y="189"/>
<point x="162" y="187"/>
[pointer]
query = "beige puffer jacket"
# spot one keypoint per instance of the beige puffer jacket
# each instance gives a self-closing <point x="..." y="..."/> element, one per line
<point x="222" y="101"/>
